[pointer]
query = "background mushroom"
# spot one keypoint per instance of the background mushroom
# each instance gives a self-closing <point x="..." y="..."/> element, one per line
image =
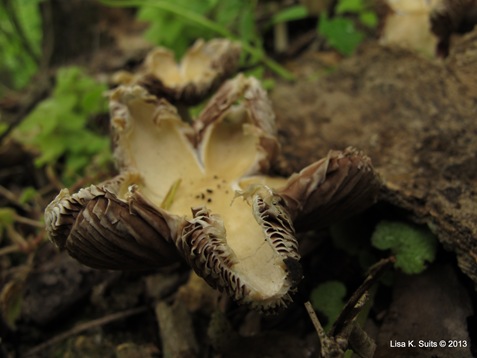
<point x="202" y="69"/>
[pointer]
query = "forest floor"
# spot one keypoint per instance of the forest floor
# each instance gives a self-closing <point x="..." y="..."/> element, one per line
<point x="414" y="116"/>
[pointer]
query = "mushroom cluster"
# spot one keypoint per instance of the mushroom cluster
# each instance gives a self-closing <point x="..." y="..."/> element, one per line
<point x="201" y="191"/>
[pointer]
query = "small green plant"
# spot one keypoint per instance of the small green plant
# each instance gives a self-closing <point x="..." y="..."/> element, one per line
<point x="340" y="31"/>
<point x="328" y="298"/>
<point x="179" y="32"/>
<point x="58" y="127"/>
<point x="412" y="246"/>
<point x="295" y="12"/>
<point x="7" y="217"/>
<point x="20" y="37"/>
<point x="28" y="194"/>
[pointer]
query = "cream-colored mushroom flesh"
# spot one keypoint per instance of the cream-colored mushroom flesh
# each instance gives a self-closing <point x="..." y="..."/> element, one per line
<point x="193" y="69"/>
<point x="153" y="141"/>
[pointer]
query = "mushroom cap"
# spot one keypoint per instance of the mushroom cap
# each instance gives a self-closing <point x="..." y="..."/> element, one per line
<point x="203" y="187"/>
<point x="333" y="188"/>
<point x="110" y="226"/>
<point x="201" y="70"/>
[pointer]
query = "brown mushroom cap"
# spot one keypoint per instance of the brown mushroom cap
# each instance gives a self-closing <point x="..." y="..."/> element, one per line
<point x="111" y="226"/>
<point x="202" y="69"/>
<point x="339" y="185"/>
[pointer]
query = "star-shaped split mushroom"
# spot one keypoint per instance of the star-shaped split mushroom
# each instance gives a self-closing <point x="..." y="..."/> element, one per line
<point x="201" y="192"/>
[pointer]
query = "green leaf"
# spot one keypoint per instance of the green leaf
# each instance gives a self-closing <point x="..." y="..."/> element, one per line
<point x="170" y="30"/>
<point x="19" y="57"/>
<point x="296" y="12"/>
<point x="93" y="101"/>
<point x="66" y="79"/>
<point x="28" y="194"/>
<point x="65" y="102"/>
<point x="3" y="127"/>
<point x="351" y="6"/>
<point x="369" y="19"/>
<point x="7" y="217"/>
<point x="75" y="164"/>
<point x="413" y="246"/>
<point x="247" y="30"/>
<point x="50" y="153"/>
<point x="340" y="34"/>
<point x="328" y="298"/>
<point x="57" y="127"/>
<point x="11" y="298"/>
<point x="228" y="13"/>
<point x="30" y="19"/>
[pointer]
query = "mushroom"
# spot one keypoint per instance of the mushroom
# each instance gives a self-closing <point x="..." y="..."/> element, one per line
<point x="203" y="193"/>
<point x="202" y="69"/>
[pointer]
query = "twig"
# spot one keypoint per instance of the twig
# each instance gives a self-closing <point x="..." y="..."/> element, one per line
<point x="314" y="319"/>
<point x="176" y="321"/>
<point x="16" y="237"/>
<point x="8" y="249"/>
<point x="28" y="221"/>
<point x="11" y="197"/>
<point x="7" y="194"/>
<point x="84" y="327"/>
<point x="53" y="178"/>
<point x="328" y="346"/>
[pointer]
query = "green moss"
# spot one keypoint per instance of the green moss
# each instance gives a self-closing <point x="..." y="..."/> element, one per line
<point x="412" y="246"/>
